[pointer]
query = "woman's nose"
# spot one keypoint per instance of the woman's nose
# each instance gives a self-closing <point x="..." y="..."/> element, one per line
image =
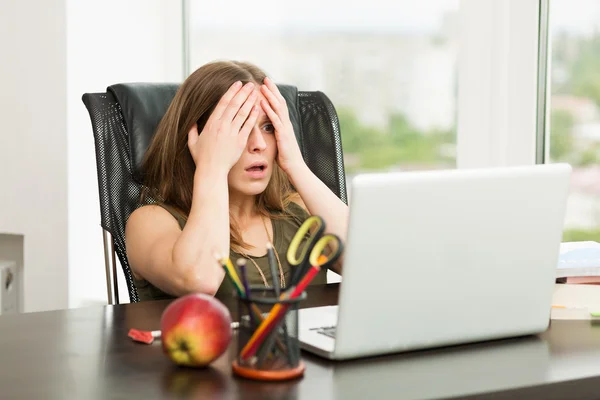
<point x="256" y="140"/>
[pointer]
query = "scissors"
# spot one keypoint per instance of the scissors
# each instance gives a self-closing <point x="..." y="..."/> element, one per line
<point x="321" y="250"/>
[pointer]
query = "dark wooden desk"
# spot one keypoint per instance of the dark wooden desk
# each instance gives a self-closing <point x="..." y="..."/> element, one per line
<point x="86" y="354"/>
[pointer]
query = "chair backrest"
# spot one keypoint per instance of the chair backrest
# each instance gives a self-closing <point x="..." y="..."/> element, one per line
<point x="125" y="117"/>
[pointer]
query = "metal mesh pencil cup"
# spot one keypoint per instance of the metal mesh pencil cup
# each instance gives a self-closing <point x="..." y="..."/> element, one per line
<point x="272" y="353"/>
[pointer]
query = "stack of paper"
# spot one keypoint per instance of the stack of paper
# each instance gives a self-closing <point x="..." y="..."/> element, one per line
<point x="579" y="260"/>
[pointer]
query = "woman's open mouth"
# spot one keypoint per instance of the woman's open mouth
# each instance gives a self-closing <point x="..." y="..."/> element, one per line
<point x="257" y="170"/>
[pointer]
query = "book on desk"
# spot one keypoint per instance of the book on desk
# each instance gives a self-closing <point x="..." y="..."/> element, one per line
<point x="579" y="262"/>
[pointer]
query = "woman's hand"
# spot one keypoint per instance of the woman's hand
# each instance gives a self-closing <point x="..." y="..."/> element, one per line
<point x="289" y="156"/>
<point x="225" y="134"/>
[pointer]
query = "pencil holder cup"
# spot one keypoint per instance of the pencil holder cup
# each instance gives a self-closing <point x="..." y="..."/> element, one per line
<point x="267" y="343"/>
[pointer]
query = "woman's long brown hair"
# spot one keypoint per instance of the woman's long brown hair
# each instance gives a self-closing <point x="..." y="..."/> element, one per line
<point x="168" y="166"/>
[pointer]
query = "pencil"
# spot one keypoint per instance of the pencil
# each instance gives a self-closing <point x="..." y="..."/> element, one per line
<point x="234" y="274"/>
<point x="231" y="273"/>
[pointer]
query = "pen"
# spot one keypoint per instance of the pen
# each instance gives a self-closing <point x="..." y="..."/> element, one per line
<point x="274" y="277"/>
<point x="241" y="262"/>
<point x="570" y="307"/>
<point x="149" y="336"/>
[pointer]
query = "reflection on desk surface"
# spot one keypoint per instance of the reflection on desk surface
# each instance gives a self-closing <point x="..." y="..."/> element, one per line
<point x="455" y="371"/>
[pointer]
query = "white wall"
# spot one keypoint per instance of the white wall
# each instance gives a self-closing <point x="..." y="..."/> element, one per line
<point x="108" y="42"/>
<point x="53" y="51"/>
<point x="33" y="145"/>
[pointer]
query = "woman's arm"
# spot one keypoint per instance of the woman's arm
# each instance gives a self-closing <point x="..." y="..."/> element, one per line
<point x="183" y="261"/>
<point x="318" y="199"/>
<point x="316" y="196"/>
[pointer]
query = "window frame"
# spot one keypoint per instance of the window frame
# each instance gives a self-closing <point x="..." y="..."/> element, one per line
<point x="500" y="95"/>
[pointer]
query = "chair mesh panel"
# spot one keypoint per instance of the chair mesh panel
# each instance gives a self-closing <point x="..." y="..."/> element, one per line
<point x="120" y="194"/>
<point x="321" y="141"/>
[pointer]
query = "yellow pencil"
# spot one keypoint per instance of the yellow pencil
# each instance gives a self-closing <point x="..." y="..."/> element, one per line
<point x="226" y="263"/>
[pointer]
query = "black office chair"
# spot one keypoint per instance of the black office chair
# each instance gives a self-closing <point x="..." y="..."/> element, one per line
<point x="124" y="120"/>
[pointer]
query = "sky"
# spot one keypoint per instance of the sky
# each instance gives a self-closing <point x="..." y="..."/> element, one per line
<point x="405" y="15"/>
<point x="578" y="16"/>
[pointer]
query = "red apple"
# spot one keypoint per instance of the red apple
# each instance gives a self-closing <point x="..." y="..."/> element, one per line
<point x="195" y="330"/>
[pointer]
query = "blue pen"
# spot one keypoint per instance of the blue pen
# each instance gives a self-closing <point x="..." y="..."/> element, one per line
<point x="241" y="262"/>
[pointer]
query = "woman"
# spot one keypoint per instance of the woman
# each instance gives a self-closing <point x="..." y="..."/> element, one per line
<point x="221" y="168"/>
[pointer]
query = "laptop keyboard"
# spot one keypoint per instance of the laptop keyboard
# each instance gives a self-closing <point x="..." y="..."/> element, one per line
<point x="326" y="330"/>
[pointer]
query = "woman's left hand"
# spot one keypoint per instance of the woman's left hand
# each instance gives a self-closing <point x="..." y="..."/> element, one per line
<point x="289" y="156"/>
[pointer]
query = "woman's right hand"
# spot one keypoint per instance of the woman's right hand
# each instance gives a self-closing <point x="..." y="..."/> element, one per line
<point x="225" y="135"/>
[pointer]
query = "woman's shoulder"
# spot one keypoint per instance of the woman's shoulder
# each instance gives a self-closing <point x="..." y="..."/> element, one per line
<point x="297" y="209"/>
<point x="151" y="211"/>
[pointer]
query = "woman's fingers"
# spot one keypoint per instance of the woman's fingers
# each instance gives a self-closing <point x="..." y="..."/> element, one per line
<point x="236" y="103"/>
<point x="243" y="113"/>
<point x="276" y="100"/>
<point x="249" y="124"/>
<point x="273" y="116"/>
<point x="270" y="96"/>
<point x="224" y="102"/>
<point x="273" y="88"/>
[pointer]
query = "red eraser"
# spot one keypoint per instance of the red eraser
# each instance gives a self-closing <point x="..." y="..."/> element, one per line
<point x="141" y="336"/>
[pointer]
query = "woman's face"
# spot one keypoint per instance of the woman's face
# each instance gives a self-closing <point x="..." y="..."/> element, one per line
<point x="253" y="171"/>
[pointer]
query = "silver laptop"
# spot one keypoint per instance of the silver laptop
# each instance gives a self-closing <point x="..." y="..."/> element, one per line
<point x="441" y="258"/>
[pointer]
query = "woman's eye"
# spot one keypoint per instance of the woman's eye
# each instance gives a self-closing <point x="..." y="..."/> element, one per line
<point x="269" y="128"/>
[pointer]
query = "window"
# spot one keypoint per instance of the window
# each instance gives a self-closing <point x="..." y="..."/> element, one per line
<point x="574" y="109"/>
<point x="390" y="68"/>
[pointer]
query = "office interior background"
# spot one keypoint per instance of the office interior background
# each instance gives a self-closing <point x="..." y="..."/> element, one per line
<point x="418" y="85"/>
